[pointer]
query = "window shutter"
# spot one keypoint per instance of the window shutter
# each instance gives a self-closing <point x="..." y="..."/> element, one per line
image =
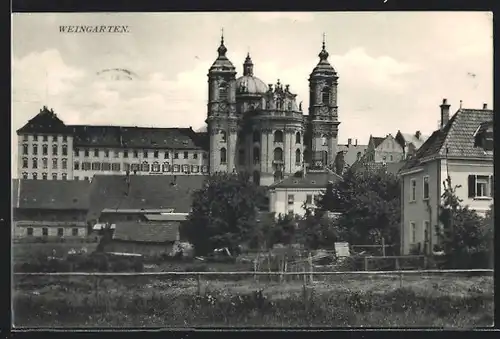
<point x="472" y="186"/>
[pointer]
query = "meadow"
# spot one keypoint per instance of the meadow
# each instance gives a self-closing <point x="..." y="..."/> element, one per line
<point x="448" y="301"/>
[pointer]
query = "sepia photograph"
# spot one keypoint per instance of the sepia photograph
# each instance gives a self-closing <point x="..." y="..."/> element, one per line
<point x="252" y="169"/>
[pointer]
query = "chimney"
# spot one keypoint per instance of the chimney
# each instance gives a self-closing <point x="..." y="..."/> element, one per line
<point x="445" y="113"/>
<point x="356" y="142"/>
<point x="485" y="106"/>
<point x="418" y="134"/>
<point x="349" y="142"/>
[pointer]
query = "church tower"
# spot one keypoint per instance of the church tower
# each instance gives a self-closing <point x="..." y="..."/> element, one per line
<point x="322" y="122"/>
<point x="222" y="121"/>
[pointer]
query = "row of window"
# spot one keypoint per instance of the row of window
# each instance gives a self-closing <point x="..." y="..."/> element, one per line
<point x="479" y="186"/>
<point x="45" y="149"/>
<point x="278" y="137"/>
<point x="277" y="156"/>
<point x="425" y="233"/>
<point x="144" y="167"/>
<point x="45" y="165"/>
<point x="34" y="176"/>
<point x="135" y="154"/>
<point x="45" y="232"/>
<point x="46" y="137"/>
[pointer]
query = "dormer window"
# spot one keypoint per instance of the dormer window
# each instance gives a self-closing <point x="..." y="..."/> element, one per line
<point x="483" y="137"/>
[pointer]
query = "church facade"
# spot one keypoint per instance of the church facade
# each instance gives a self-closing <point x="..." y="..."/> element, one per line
<point x="252" y="126"/>
<point x="260" y="129"/>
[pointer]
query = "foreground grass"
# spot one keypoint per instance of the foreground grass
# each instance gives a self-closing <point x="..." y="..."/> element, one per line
<point x="337" y="301"/>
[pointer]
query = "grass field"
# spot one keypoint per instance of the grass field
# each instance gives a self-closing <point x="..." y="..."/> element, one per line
<point x="375" y="301"/>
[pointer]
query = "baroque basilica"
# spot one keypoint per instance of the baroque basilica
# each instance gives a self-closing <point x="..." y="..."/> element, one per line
<point x="260" y="129"/>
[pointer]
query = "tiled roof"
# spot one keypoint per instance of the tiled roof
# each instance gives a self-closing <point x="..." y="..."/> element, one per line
<point x="166" y="217"/>
<point x="364" y="164"/>
<point x="145" y="191"/>
<point x="351" y="152"/>
<point x="456" y="139"/>
<point x="312" y="179"/>
<point x="117" y="136"/>
<point x="136" y="137"/>
<point x="377" y="141"/>
<point x="412" y="138"/>
<point x="45" y="122"/>
<point x="147" y="232"/>
<point x="53" y="194"/>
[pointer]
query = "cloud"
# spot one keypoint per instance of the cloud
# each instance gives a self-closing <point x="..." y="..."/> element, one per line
<point x="276" y="16"/>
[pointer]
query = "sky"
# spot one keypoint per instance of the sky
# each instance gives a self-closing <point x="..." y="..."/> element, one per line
<point x="394" y="68"/>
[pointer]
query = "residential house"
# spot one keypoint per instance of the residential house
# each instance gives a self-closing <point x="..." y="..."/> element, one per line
<point x="50" y="208"/>
<point x="154" y="237"/>
<point x="410" y="142"/>
<point x="295" y="193"/>
<point x="384" y="150"/>
<point x="461" y="149"/>
<point x="351" y="151"/>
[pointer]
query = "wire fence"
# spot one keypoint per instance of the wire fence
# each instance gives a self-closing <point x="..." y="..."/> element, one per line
<point x="199" y="280"/>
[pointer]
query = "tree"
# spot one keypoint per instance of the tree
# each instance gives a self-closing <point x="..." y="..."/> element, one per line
<point x="465" y="237"/>
<point x="224" y="213"/>
<point x="369" y="203"/>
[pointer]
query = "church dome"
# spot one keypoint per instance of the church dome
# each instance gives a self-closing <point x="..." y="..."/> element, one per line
<point x="248" y="84"/>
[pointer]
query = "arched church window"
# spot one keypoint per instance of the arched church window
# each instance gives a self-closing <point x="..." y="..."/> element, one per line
<point x="278" y="154"/>
<point x="223" y="155"/>
<point x="256" y="136"/>
<point x="256" y="155"/>
<point x="223" y="91"/>
<point x="297" y="156"/>
<point x="223" y="136"/>
<point x="289" y="105"/>
<point x="297" y="138"/>
<point x="241" y="157"/>
<point x="256" y="177"/>
<point x="325" y="95"/>
<point x="278" y="136"/>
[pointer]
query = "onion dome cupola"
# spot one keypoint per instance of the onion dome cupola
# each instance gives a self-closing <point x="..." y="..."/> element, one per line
<point x="323" y="67"/>
<point x="248" y="84"/>
<point x="222" y="63"/>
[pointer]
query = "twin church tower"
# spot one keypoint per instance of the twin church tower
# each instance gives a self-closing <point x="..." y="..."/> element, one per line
<point x="260" y="129"/>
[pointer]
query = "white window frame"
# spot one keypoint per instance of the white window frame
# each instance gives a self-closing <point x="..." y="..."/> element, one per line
<point x="413" y="232"/>
<point x="290" y="199"/>
<point x="486" y="182"/>
<point x="413" y="194"/>
<point x="423" y="187"/>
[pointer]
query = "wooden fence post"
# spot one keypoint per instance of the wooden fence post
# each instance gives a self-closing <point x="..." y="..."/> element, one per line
<point x="366" y="263"/>
<point x="311" y="268"/>
<point x="97" y="289"/>
<point x="397" y="264"/>
<point x="383" y="247"/>
<point x="198" y="284"/>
